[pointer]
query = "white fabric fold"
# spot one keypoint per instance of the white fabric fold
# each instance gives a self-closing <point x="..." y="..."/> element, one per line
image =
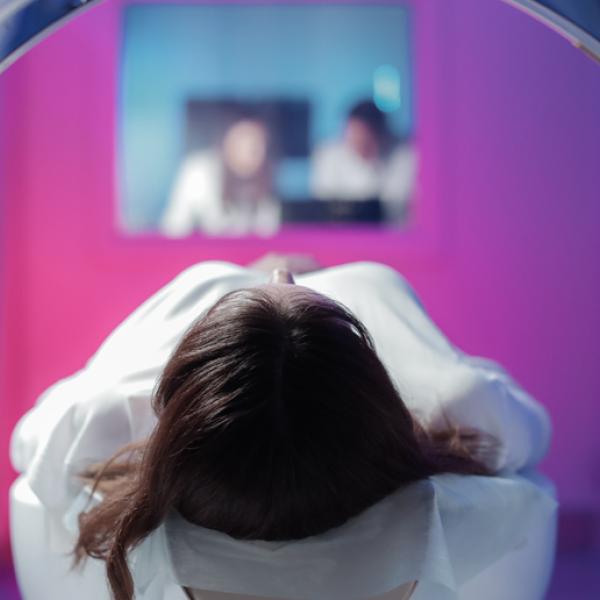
<point x="442" y="532"/>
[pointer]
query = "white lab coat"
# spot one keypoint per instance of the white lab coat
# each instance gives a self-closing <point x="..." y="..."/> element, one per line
<point x="196" y="203"/>
<point x="339" y="173"/>
<point x="86" y="417"/>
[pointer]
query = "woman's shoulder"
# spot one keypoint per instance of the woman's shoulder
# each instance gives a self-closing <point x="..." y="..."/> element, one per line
<point x="209" y="269"/>
<point x="372" y="270"/>
<point x="196" y="278"/>
<point x="153" y="328"/>
<point x="362" y="277"/>
<point x="363" y="268"/>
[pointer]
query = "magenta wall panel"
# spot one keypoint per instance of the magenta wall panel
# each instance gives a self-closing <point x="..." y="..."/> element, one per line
<point x="504" y="249"/>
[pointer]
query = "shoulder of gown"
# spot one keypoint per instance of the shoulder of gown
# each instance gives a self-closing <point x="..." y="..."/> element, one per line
<point x="89" y="415"/>
<point x="439" y="383"/>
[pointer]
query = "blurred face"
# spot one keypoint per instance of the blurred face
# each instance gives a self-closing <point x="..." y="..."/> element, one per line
<point x="245" y="147"/>
<point x="361" y="138"/>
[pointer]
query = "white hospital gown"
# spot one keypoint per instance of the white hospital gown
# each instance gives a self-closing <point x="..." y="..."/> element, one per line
<point x="88" y="416"/>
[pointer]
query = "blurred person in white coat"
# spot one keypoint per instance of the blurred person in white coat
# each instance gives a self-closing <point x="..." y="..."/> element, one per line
<point x="366" y="163"/>
<point x="225" y="190"/>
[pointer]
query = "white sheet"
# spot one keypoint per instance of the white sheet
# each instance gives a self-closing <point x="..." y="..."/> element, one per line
<point x="441" y="532"/>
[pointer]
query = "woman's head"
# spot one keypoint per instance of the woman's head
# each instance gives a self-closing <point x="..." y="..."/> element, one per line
<point x="280" y="418"/>
<point x="276" y="420"/>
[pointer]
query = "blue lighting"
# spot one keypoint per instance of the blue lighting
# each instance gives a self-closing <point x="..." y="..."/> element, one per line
<point x="387" y="88"/>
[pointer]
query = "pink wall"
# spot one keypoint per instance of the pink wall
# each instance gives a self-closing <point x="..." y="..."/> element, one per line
<point x="504" y="250"/>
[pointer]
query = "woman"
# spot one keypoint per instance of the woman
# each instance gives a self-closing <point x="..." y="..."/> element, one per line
<point x="226" y="190"/>
<point x="274" y="417"/>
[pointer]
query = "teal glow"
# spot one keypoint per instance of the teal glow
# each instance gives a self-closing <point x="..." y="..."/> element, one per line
<point x="387" y="88"/>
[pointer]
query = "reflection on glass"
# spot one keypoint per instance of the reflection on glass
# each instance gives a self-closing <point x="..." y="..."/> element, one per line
<point x="236" y="120"/>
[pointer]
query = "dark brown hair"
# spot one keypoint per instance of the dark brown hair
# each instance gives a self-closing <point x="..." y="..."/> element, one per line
<point x="276" y="421"/>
